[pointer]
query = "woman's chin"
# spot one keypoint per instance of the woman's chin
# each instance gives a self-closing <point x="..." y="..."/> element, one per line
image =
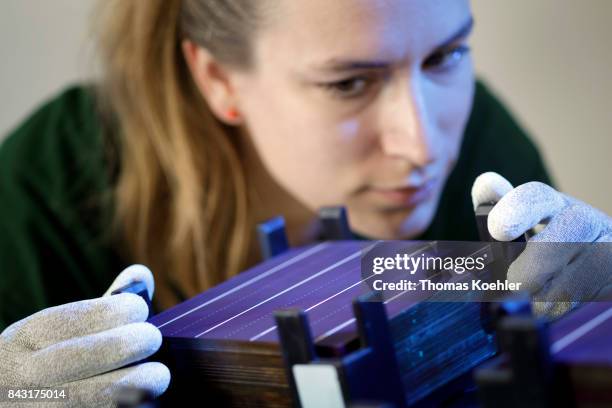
<point x="418" y="221"/>
<point x="394" y="224"/>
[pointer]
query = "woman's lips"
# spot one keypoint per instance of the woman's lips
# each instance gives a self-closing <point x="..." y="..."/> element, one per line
<point x="405" y="196"/>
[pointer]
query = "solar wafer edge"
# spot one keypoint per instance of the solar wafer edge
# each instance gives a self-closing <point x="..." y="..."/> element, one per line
<point x="321" y="279"/>
<point x="310" y="255"/>
<point x="339" y="260"/>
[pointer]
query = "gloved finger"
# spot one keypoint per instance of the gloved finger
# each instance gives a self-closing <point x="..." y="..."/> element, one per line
<point x="574" y="223"/>
<point x="76" y="319"/>
<point x="489" y="187"/>
<point x="131" y="274"/>
<point x="102" y="390"/>
<point x="584" y="276"/>
<point x="94" y="354"/>
<point x="537" y="265"/>
<point x="606" y="236"/>
<point x="552" y="310"/>
<point x="522" y="209"/>
<point x="605" y="292"/>
<point x="564" y="292"/>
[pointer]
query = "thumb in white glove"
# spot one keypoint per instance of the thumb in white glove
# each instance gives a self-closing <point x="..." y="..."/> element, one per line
<point x="81" y="346"/>
<point x="561" y="265"/>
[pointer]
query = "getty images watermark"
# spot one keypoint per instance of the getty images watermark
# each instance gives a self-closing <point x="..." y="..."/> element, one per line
<point x="479" y="271"/>
<point x="36" y="394"/>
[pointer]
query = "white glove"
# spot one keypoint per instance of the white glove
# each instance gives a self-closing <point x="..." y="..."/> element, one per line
<point x="80" y="346"/>
<point x="558" y="274"/>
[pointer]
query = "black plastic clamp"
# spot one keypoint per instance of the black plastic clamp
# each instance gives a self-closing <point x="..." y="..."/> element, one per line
<point x="368" y="375"/>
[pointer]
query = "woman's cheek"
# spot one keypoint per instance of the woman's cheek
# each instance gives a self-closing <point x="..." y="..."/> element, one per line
<point x="334" y="171"/>
<point x="317" y="170"/>
<point x="455" y="117"/>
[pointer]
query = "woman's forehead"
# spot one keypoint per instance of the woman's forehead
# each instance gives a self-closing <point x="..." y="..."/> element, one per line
<point x="321" y="30"/>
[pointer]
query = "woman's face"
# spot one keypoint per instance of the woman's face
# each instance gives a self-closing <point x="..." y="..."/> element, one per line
<point x="361" y="103"/>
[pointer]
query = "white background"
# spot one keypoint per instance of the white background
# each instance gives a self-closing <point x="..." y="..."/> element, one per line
<point x="549" y="60"/>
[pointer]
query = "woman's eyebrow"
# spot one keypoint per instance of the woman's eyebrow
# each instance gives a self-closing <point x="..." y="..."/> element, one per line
<point x="341" y="65"/>
<point x="338" y="65"/>
<point x="463" y="32"/>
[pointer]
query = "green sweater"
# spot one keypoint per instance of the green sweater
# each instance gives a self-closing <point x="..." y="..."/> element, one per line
<point x="55" y="244"/>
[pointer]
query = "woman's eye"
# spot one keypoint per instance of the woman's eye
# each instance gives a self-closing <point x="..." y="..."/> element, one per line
<point x="347" y="88"/>
<point x="446" y="59"/>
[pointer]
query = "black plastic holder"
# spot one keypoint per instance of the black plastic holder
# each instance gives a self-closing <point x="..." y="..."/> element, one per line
<point x="369" y="375"/>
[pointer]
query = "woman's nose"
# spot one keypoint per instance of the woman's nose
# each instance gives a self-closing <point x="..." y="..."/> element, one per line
<point x="407" y="130"/>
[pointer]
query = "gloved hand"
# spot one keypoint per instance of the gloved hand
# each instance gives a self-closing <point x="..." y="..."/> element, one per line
<point x="81" y="346"/>
<point x="555" y="267"/>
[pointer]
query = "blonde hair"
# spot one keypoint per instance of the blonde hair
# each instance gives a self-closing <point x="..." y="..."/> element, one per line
<point x="180" y="199"/>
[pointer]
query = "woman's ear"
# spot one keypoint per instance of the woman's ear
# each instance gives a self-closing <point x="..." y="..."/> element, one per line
<point x="213" y="81"/>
